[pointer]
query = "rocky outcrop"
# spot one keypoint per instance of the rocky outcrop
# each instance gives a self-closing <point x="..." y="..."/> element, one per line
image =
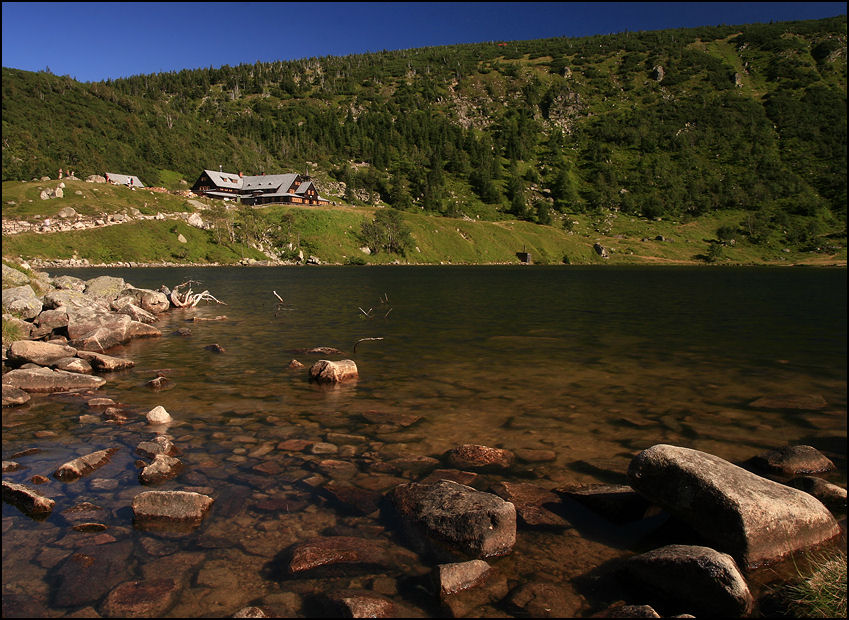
<point x="448" y="520"/>
<point x="754" y="519"/>
<point x="691" y="579"/>
<point x="326" y="371"/>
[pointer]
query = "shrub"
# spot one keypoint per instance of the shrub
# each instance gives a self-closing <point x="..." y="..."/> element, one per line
<point x="820" y="590"/>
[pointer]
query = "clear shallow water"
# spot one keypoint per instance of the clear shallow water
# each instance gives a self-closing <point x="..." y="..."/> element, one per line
<point x="593" y="364"/>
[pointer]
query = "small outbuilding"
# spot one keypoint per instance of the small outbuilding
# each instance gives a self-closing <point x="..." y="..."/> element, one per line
<point x="123" y="179"/>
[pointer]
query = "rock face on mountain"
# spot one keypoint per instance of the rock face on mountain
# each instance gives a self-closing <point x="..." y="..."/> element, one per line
<point x="753" y="519"/>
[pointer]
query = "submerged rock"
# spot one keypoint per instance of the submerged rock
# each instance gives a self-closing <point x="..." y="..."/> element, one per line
<point x="13" y="397"/>
<point x="471" y="456"/>
<point x="790" y="401"/>
<point x="27" y="499"/>
<point x="84" y="465"/>
<point x="156" y="509"/>
<point x="140" y="599"/>
<point x="447" y="519"/>
<point x="734" y="508"/>
<point x="47" y="380"/>
<point x="162" y="468"/>
<point x="334" y="550"/>
<point x="616" y="502"/>
<point x="325" y="371"/>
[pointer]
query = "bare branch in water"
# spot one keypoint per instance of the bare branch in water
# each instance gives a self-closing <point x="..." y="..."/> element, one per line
<point x="363" y="340"/>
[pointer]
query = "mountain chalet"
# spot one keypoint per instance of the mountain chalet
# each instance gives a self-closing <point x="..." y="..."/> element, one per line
<point x="290" y="188"/>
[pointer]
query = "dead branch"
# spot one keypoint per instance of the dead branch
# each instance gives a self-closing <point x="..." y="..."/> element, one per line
<point x="190" y="299"/>
<point x="278" y="297"/>
<point x="366" y="314"/>
<point x="363" y="340"/>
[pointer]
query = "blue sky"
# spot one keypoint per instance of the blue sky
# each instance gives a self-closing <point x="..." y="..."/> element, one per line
<point x="100" y="40"/>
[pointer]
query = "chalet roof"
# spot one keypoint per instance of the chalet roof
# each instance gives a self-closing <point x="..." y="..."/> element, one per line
<point x="269" y="181"/>
<point x="123" y="179"/>
<point x="224" y="179"/>
<point x="303" y="187"/>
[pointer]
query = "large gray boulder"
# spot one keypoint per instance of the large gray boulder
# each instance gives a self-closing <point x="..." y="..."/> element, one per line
<point x="105" y="287"/>
<point x="101" y="332"/>
<point x="12" y="277"/>
<point x="691" y="579"/>
<point x="154" y="302"/>
<point x="68" y="283"/>
<point x="84" y="465"/>
<point x="74" y="302"/>
<point x="47" y="380"/>
<point x="178" y="510"/>
<point x="37" y="352"/>
<point x="450" y="520"/>
<point x="21" y="301"/>
<point x="755" y="520"/>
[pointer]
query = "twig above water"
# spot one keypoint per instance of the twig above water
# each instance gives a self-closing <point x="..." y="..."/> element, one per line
<point x="363" y="340"/>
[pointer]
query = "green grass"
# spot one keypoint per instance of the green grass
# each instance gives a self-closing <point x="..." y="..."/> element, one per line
<point x="820" y="590"/>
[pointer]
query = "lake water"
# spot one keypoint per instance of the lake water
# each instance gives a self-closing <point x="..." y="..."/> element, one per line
<point x="591" y="364"/>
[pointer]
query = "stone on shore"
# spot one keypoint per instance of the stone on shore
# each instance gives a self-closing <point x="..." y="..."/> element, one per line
<point x="450" y="520"/>
<point x="158" y="415"/>
<point x="105" y="287"/>
<point x="47" y="380"/>
<point x="471" y="456"/>
<point x="37" y="352"/>
<point x="73" y="364"/>
<point x="104" y="331"/>
<point x="691" y="579"/>
<point x="27" y="500"/>
<point x="755" y="520"/>
<point x="84" y="465"/>
<point x="793" y="460"/>
<point x="326" y="371"/>
<point x="162" y="509"/>
<point x="13" y="397"/>
<point x="151" y="301"/>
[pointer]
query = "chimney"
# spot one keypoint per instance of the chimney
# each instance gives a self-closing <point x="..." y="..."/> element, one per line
<point x="240" y="174"/>
<point x="219" y="168"/>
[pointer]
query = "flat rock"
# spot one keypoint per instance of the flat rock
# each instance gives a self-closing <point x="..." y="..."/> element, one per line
<point x="448" y="519"/>
<point x="105" y="363"/>
<point x="27" y="500"/>
<point x="692" y="579"/>
<point x="158" y="445"/>
<point x="13" y="397"/>
<point x="37" y="352"/>
<point x="733" y="508"/>
<point x="73" y="364"/>
<point x="84" y="465"/>
<point x="457" y="576"/>
<point x="831" y="495"/>
<point x="793" y="460"/>
<point x="616" y="502"/>
<point x="47" y="380"/>
<point x="790" y="401"/>
<point x="170" y="508"/>
<point x="542" y="599"/>
<point x="472" y="456"/>
<point x="354" y="603"/>
<point x="140" y="599"/>
<point x="335" y="550"/>
<point x="326" y="371"/>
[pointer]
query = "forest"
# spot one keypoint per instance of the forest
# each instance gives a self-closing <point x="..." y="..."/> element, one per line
<point x="674" y="123"/>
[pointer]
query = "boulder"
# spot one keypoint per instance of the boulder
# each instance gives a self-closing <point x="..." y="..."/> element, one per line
<point x="471" y="456"/>
<point x="133" y="311"/>
<point x="158" y="415"/>
<point x="154" y="302"/>
<point x="102" y="332"/>
<point x="68" y="283"/>
<point x="692" y="579"/>
<point x="47" y="380"/>
<point x="465" y="586"/>
<point x="75" y="302"/>
<point x="23" y="328"/>
<point x="325" y="371"/>
<point x="793" y="460"/>
<point x="195" y="220"/>
<point x="354" y="603"/>
<point x="616" y="502"/>
<point x="162" y="468"/>
<point x="84" y="465"/>
<point x="27" y="500"/>
<point x="13" y="277"/>
<point x="601" y="250"/>
<point x="66" y="212"/>
<point x="52" y="319"/>
<point x="735" y="509"/>
<point x="528" y="500"/>
<point x="165" y="509"/>
<point x="105" y="287"/>
<point x="73" y="364"/>
<point x="457" y="576"/>
<point x="13" y="397"/>
<point x="158" y="445"/>
<point x="37" y="352"/>
<point x="95" y="178"/>
<point x="450" y="520"/>
<point x="21" y="301"/>
<point x="831" y="495"/>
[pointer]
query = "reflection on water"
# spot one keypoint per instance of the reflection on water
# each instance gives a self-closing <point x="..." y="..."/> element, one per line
<point x="592" y="364"/>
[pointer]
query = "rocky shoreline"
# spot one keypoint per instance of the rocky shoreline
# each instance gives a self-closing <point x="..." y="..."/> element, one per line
<point x="455" y="513"/>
